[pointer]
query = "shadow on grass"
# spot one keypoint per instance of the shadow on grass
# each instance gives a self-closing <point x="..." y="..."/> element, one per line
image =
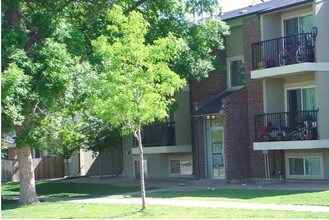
<point x="70" y="190"/>
<point x="62" y="191"/>
<point x="10" y="204"/>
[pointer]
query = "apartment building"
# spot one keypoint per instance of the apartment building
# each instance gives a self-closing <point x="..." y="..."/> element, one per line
<point x="292" y="61"/>
<point x="266" y="115"/>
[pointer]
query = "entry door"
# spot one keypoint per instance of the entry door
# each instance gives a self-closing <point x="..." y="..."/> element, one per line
<point x="215" y="152"/>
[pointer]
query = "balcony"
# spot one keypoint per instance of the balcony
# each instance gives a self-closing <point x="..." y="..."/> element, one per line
<point x="293" y="49"/>
<point x="159" y="138"/>
<point x="286" y="126"/>
<point x="158" y="134"/>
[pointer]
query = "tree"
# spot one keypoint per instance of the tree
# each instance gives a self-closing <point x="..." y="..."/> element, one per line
<point x="204" y="38"/>
<point x="38" y="78"/>
<point x="48" y="59"/>
<point x="63" y="140"/>
<point x="138" y="84"/>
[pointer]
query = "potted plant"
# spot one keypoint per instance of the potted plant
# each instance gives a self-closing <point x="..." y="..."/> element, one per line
<point x="260" y="64"/>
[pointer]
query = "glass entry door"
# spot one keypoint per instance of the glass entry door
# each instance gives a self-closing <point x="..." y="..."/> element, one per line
<point x="215" y="152"/>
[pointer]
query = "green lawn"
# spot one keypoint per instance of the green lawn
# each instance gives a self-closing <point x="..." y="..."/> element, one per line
<point x="69" y="190"/>
<point x="68" y="210"/>
<point x="295" y="197"/>
<point x="65" y="209"/>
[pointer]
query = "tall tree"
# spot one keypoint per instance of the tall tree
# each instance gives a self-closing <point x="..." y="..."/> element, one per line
<point x="39" y="74"/>
<point x="138" y="84"/>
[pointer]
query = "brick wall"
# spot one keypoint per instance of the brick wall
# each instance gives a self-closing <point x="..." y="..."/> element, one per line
<point x="251" y="32"/>
<point x="201" y="91"/>
<point x="241" y="161"/>
<point x="210" y="86"/>
<point x="236" y="147"/>
<point x="198" y="147"/>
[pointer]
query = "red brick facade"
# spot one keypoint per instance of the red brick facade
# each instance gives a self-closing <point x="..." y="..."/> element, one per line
<point x="251" y="32"/>
<point x="199" y="147"/>
<point x="199" y="92"/>
<point x="210" y="86"/>
<point x="236" y="140"/>
<point x="241" y="161"/>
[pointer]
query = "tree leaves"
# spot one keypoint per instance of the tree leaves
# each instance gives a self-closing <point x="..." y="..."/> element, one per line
<point x="138" y="80"/>
<point x="16" y="88"/>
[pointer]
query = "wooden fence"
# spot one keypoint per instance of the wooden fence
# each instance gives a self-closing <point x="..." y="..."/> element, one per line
<point x="44" y="168"/>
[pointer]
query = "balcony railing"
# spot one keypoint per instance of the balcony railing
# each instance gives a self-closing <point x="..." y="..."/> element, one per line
<point x="286" y="126"/>
<point x="158" y="134"/>
<point x="282" y="51"/>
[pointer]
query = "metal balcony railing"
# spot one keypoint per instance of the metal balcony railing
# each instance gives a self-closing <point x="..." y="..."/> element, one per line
<point x="158" y="134"/>
<point x="282" y="51"/>
<point x="286" y="126"/>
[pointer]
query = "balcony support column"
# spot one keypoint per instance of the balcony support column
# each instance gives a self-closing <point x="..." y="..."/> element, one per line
<point x="266" y="165"/>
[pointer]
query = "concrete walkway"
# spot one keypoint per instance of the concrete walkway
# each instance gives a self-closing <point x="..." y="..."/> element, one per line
<point x="208" y="204"/>
<point x="175" y="185"/>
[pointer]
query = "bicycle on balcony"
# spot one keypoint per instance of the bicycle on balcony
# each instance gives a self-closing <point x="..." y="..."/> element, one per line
<point x="297" y="52"/>
<point x="293" y="53"/>
<point x="304" y="129"/>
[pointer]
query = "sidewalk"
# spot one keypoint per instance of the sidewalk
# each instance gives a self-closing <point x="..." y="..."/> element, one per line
<point x="179" y="185"/>
<point x="204" y="204"/>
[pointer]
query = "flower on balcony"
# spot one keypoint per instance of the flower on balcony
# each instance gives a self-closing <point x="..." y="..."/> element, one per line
<point x="270" y="63"/>
<point x="263" y="135"/>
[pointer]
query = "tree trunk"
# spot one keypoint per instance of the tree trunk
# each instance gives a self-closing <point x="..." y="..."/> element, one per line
<point x="67" y="167"/>
<point x="141" y="168"/>
<point x="27" y="191"/>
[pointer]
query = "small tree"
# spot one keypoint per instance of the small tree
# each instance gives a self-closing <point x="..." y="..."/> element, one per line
<point x="64" y="135"/>
<point x="138" y="84"/>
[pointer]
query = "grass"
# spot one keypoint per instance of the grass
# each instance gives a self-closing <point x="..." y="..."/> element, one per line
<point x="295" y="197"/>
<point x="64" y="209"/>
<point x="69" y="210"/>
<point x="70" y="190"/>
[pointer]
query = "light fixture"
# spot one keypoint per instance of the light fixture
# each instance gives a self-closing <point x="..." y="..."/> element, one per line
<point x="211" y="117"/>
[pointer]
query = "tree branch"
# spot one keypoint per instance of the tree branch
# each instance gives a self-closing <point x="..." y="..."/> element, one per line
<point x="138" y="3"/>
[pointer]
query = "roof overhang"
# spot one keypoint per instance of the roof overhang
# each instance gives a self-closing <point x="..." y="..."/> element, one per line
<point x="212" y="105"/>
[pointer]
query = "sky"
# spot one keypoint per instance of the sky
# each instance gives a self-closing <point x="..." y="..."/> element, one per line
<point x="229" y="5"/>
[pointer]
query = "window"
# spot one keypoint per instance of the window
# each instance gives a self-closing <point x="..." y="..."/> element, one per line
<point x="181" y="166"/>
<point x="236" y="77"/>
<point x="296" y="25"/>
<point x="301" y="99"/>
<point x="305" y="166"/>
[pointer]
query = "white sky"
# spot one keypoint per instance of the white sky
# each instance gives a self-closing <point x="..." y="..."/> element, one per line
<point x="229" y="5"/>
